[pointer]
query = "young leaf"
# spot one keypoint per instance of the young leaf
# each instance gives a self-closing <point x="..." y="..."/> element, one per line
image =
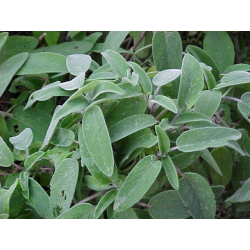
<point x="6" y="157"/>
<point x="170" y="172"/>
<point x="97" y="139"/>
<point x="130" y="125"/>
<point x="168" y="205"/>
<point x="191" y="83"/>
<point x="209" y="77"/>
<point x="219" y="46"/>
<point x="166" y="76"/>
<point x="144" y="80"/>
<point x="9" y="68"/>
<point x="201" y="138"/>
<point x="105" y="201"/>
<point x="23" y="140"/>
<point x="197" y="196"/>
<point x="80" y="211"/>
<point x="163" y="140"/>
<point x="75" y="83"/>
<point x="241" y="195"/>
<point x="208" y="102"/>
<point x="32" y="159"/>
<point x="165" y="102"/>
<point x="117" y="62"/>
<point x="78" y="63"/>
<point x="244" y="106"/>
<point x="39" y="199"/>
<point x="137" y="183"/>
<point x="45" y="62"/>
<point x="62" y="192"/>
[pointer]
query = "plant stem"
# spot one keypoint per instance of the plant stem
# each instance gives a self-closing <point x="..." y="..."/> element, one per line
<point x="221" y="120"/>
<point x="173" y="148"/>
<point x="93" y="196"/>
<point x="231" y="98"/>
<point x="142" y="204"/>
<point x="17" y="166"/>
<point x="179" y="171"/>
<point x="177" y="115"/>
<point x="6" y="114"/>
<point x="161" y="113"/>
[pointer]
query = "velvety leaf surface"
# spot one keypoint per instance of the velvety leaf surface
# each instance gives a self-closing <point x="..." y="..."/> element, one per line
<point x="6" y="157"/>
<point x="127" y="214"/>
<point x="191" y="117"/>
<point x="166" y="76"/>
<point x="165" y="102"/>
<point x="78" y="63"/>
<point x="244" y="106"/>
<point x="137" y="183"/>
<point x="163" y="140"/>
<point x="23" y="140"/>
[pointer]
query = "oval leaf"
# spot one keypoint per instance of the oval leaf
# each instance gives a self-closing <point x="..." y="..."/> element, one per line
<point x="197" y="196"/>
<point x="97" y="139"/>
<point x="163" y="140"/>
<point x="78" y="63"/>
<point x="165" y="102"/>
<point x="166" y="76"/>
<point x="191" y="117"/>
<point x="6" y="157"/>
<point x="244" y="106"/>
<point x="23" y="140"/>
<point x="201" y="138"/>
<point x="137" y="183"/>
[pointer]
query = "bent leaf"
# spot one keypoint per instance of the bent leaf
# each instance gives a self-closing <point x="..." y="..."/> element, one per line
<point x="165" y="102"/>
<point x="78" y="63"/>
<point x="97" y="139"/>
<point x="6" y="157"/>
<point x="23" y="140"/>
<point x="244" y="106"/>
<point x="137" y="183"/>
<point x="201" y="138"/>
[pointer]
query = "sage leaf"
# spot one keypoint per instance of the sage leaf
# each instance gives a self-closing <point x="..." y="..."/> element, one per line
<point x="165" y="102"/>
<point x="63" y="137"/>
<point x="163" y="140"/>
<point x="3" y="38"/>
<point x="201" y="138"/>
<point x="137" y="183"/>
<point x="166" y="76"/>
<point x="6" y="157"/>
<point x="191" y="117"/>
<point x="9" y="68"/>
<point x="191" y="83"/>
<point x="170" y="172"/>
<point x="23" y="140"/>
<point x="75" y="83"/>
<point x="130" y="125"/>
<point x="244" y="106"/>
<point x="78" y="63"/>
<point x="62" y="192"/>
<point x="197" y="196"/>
<point x="32" y="159"/>
<point x="114" y="39"/>
<point x="97" y="139"/>
<point x="168" y="205"/>
<point x="80" y="211"/>
<point x="184" y="160"/>
<point x="127" y="214"/>
<point x="117" y="62"/>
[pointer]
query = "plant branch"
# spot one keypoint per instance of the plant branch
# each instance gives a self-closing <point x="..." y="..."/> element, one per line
<point x="6" y="114"/>
<point x="142" y="204"/>
<point x="179" y="171"/>
<point x="177" y="115"/>
<point x="17" y="166"/>
<point x="231" y="98"/>
<point x="161" y="113"/>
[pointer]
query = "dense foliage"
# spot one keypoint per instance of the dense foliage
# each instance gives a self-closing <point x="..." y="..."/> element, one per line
<point x="124" y="125"/>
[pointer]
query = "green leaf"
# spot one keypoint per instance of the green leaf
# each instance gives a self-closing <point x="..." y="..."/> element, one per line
<point x="117" y="62"/>
<point x="191" y="117"/>
<point x="191" y="83"/>
<point x="224" y="160"/>
<point x="237" y="67"/>
<point x="130" y="125"/>
<point x="202" y="56"/>
<point x="39" y="199"/>
<point x="201" y="138"/>
<point x="167" y="50"/>
<point x="234" y="78"/>
<point x="163" y="140"/>
<point x="78" y="63"/>
<point x="137" y="183"/>
<point x="184" y="160"/>
<point x="241" y="195"/>
<point x="80" y="211"/>
<point x="244" y="106"/>
<point x="63" y="137"/>
<point x="197" y="196"/>
<point x="75" y="83"/>
<point x="125" y="108"/>
<point x="205" y="154"/>
<point x="97" y="139"/>
<point x="45" y="62"/>
<point x="127" y="214"/>
<point x="142" y="139"/>
<point x="219" y="46"/>
<point x="144" y="80"/>
<point x="166" y="76"/>
<point x="15" y="45"/>
<point x="67" y="48"/>
<point x="210" y="80"/>
<point x="208" y="102"/>
<point x="23" y="140"/>
<point x="37" y="120"/>
<point x="218" y="191"/>
<point x="96" y="184"/>
<point x="170" y="171"/>
<point x="104" y="202"/>
<point x="165" y="102"/>
<point x="32" y="159"/>
<point x="106" y="86"/>
<point x="114" y="39"/>
<point x="168" y="205"/>
<point x="4" y="133"/>
<point x="6" y="157"/>
<point x="62" y="192"/>
<point x="3" y="38"/>
<point x="9" y="68"/>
